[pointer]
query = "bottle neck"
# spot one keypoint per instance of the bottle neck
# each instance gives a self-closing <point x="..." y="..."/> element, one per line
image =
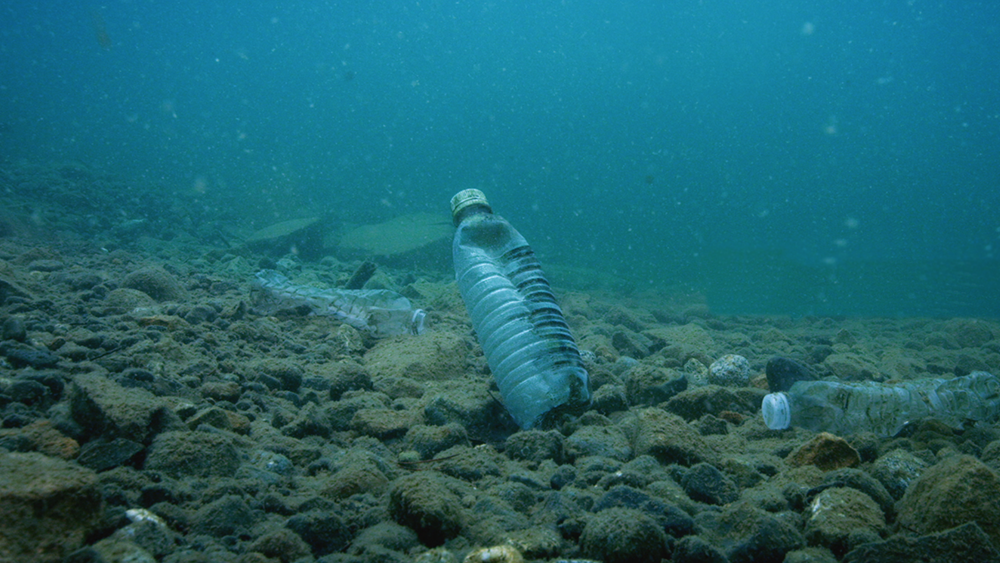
<point x="477" y="209"/>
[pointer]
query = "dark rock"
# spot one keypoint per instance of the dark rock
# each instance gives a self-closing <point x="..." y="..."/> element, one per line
<point x="26" y="391"/>
<point x="14" y="329"/>
<point x="651" y="385"/>
<point x="692" y="549"/>
<point x="428" y="441"/>
<point x="535" y="446"/>
<point x="748" y="534"/>
<point x="193" y="454"/>
<point x="672" y="519"/>
<point x="782" y="373"/>
<point x="967" y="542"/>
<point x="423" y="502"/>
<point x="563" y="475"/>
<point x="85" y="555"/>
<point x="201" y="314"/>
<point x="29" y="357"/>
<point x="281" y="544"/>
<point x="593" y="440"/>
<point x="704" y="483"/>
<point x="101" y="455"/>
<point x="623" y="535"/>
<point x="324" y="530"/>
<point x="102" y="406"/>
<point x="669" y="439"/>
<point x="693" y="404"/>
<point x="47" y="507"/>
<point x="224" y="517"/>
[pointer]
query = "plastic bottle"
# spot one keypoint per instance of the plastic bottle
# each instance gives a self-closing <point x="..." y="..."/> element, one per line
<point x="845" y="408"/>
<point x="521" y="328"/>
<point x="378" y="311"/>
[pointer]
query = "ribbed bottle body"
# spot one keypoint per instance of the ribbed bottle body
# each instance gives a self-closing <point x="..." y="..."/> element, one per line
<point x="520" y="327"/>
<point x="844" y="408"/>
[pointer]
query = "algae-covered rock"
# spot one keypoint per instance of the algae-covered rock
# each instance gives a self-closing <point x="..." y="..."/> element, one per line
<point x="102" y="406"/>
<point x="956" y="490"/>
<point x="669" y="439"/>
<point x="839" y="513"/>
<point x="156" y="283"/>
<point x="47" y="507"/>
<point x="432" y="356"/>
<point x="193" y="454"/>
<point x="424" y="503"/>
<point x="623" y="535"/>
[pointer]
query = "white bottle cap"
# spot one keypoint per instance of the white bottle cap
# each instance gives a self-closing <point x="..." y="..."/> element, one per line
<point x="776" y="410"/>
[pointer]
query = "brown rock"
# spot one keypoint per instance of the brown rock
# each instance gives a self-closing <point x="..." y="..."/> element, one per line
<point x="384" y="423"/>
<point x="47" y="507"/>
<point x="826" y="452"/>
<point x="433" y="356"/>
<point x="50" y="441"/>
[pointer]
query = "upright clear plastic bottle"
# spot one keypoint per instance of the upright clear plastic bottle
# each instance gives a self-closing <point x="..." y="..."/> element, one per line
<point x="846" y="408"/>
<point x="520" y="327"/>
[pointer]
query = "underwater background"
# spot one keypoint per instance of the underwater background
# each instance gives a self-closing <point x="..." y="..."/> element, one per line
<point x="776" y="157"/>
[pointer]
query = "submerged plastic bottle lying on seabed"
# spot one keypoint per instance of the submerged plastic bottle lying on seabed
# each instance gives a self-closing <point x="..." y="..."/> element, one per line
<point x="846" y="408"/>
<point x="378" y="311"/>
<point x="520" y="327"/>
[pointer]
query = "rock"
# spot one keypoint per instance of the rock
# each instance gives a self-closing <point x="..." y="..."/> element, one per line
<point x="47" y="507"/>
<point x="896" y="470"/>
<point x="424" y="503"/>
<point x="850" y="367"/>
<point x="280" y="374"/>
<point x="42" y="436"/>
<point x="222" y="391"/>
<point x="970" y="333"/>
<point x="631" y="344"/>
<point x="672" y="520"/>
<point x="429" y="441"/>
<point x="281" y="544"/>
<point x="669" y="439"/>
<point x="30" y="357"/>
<point x="623" y="535"/>
<point x="782" y="373"/>
<point x="860" y="481"/>
<point x="360" y="471"/>
<point x="156" y="283"/>
<point x="604" y="441"/>
<point x="692" y="549"/>
<point x="956" y="490"/>
<point x="650" y="385"/>
<point x="683" y="342"/>
<point x="224" y="517"/>
<point x="731" y="370"/>
<point x="102" y="455"/>
<point x="126" y="300"/>
<point x="608" y="399"/>
<point x="835" y="514"/>
<point x="710" y="399"/>
<point x="748" y="534"/>
<point x="535" y="446"/>
<point x="967" y="542"/>
<point x="705" y="483"/>
<point x="325" y="531"/>
<point x="14" y="329"/>
<point x="432" y="357"/>
<point x="385" y="423"/>
<point x="826" y="452"/>
<point x="102" y="406"/>
<point x="221" y="419"/>
<point x="193" y="454"/>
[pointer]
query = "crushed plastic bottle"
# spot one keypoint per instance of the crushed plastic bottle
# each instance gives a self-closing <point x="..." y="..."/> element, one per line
<point x="521" y="328"/>
<point x="378" y="311"/>
<point x="846" y="408"/>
